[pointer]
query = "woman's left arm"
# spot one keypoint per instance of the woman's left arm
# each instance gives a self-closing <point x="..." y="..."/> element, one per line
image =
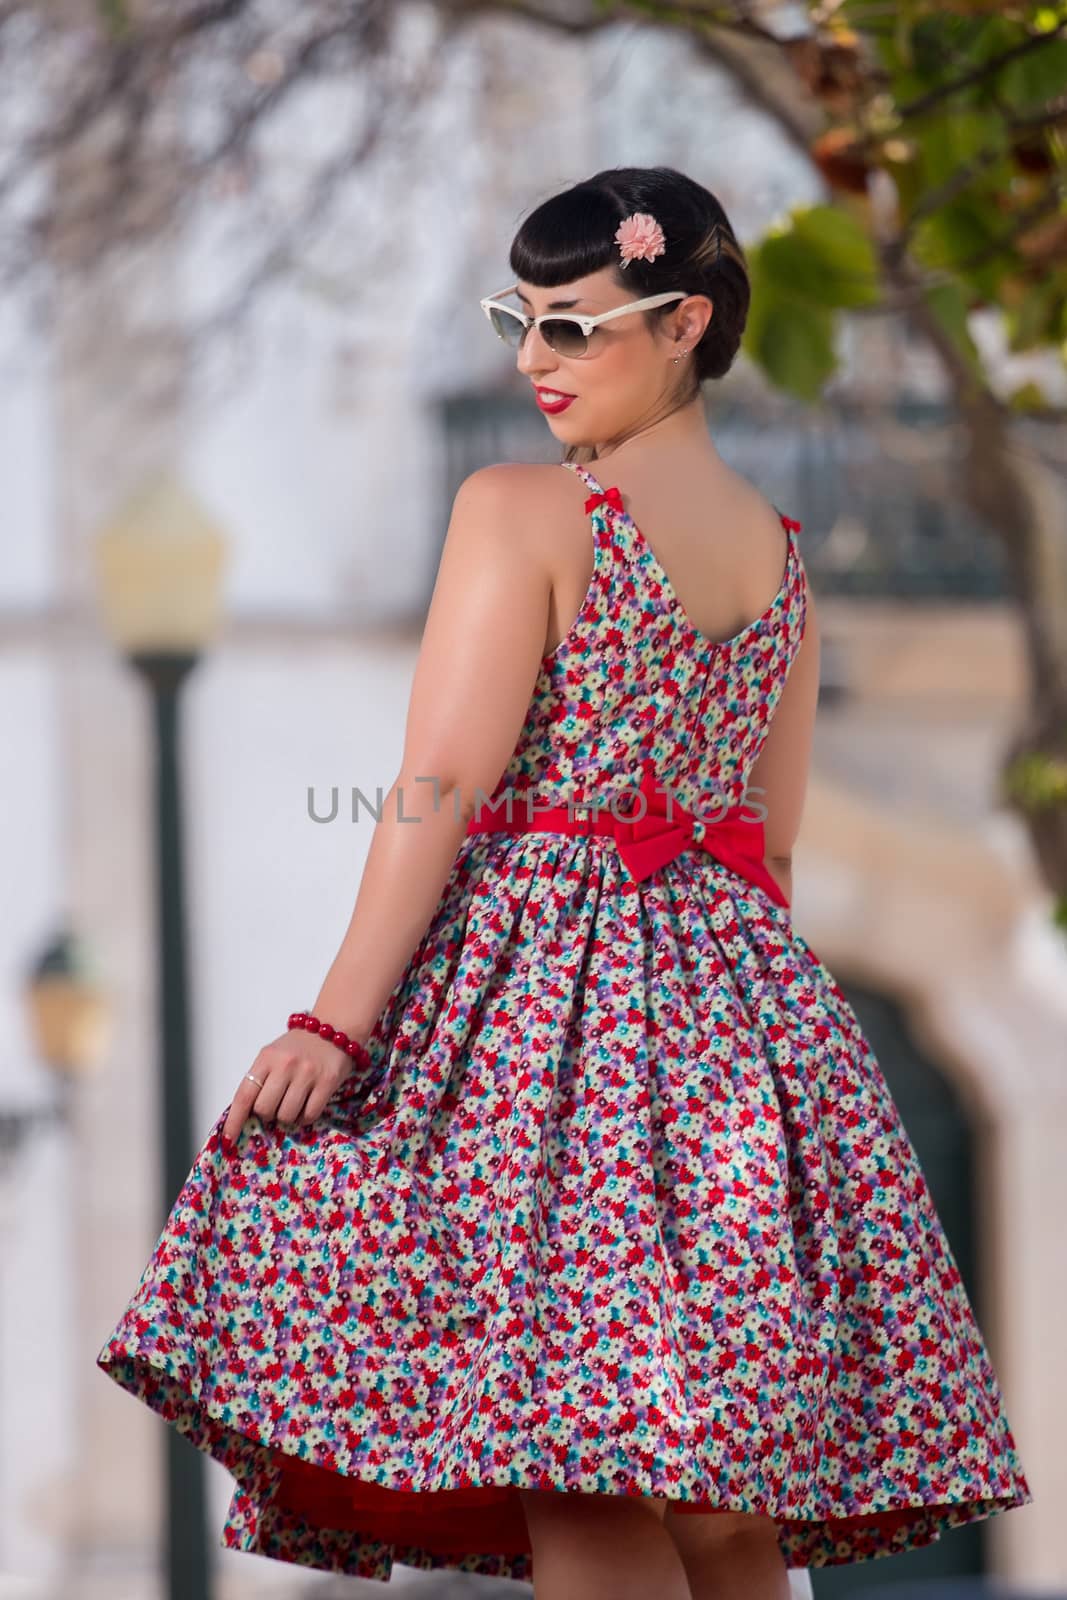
<point x="478" y="662"/>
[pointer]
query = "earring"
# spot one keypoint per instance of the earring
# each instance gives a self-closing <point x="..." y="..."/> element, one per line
<point x="679" y="357"/>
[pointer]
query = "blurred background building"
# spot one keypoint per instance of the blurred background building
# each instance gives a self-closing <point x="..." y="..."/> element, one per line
<point x="325" y="440"/>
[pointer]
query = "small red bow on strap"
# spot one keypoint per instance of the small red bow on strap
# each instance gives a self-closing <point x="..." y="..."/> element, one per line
<point x="649" y="841"/>
<point x="612" y="496"/>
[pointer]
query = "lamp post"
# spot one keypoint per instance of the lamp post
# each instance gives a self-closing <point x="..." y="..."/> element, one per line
<point x="159" y="563"/>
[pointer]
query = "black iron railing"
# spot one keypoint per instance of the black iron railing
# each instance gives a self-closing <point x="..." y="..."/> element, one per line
<point x="874" y="493"/>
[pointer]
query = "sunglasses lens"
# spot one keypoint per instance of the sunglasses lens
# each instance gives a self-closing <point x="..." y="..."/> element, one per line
<point x="564" y="337"/>
<point x="507" y="325"/>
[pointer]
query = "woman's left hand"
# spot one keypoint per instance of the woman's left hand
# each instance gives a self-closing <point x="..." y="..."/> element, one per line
<point x="298" y="1074"/>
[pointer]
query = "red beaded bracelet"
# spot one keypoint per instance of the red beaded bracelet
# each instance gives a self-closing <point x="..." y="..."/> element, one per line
<point x="351" y="1047"/>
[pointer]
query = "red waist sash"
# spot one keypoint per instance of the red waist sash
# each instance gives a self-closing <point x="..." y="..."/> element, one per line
<point x="647" y="841"/>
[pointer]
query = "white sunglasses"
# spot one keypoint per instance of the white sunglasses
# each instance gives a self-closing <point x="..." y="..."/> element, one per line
<point x="566" y="335"/>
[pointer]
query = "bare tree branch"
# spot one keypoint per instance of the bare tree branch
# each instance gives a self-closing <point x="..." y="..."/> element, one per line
<point x="392" y="99"/>
<point x="130" y="192"/>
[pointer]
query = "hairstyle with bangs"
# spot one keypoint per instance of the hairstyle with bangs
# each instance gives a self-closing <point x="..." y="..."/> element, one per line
<point x="572" y="234"/>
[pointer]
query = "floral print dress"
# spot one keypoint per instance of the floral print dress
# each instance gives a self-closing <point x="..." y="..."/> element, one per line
<point x="625" y="1205"/>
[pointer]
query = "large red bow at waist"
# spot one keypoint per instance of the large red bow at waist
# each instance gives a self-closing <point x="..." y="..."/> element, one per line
<point x="648" y="841"/>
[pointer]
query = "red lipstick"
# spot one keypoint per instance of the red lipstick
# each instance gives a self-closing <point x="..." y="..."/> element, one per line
<point x="552" y="406"/>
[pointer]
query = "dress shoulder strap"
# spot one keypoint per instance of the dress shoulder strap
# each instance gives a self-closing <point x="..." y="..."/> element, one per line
<point x="609" y="538"/>
<point x="583" y="473"/>
<point x="620" y="532"/>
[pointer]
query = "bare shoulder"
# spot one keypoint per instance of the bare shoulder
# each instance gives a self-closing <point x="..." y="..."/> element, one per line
<point x="518" y="478"/>
<point x="525" y="499"/>
<point x="751" y="507"/>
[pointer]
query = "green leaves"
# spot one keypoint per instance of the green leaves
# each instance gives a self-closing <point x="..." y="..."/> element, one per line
<point x="1037" y="315"/>
<point x="1030" y="81"/>
<point x="1036" y="781"/>
<point x="115" y="16"/>
<point x="948" y="304"/>
<point x="792" y="341"/>
<point x="824" y="256"/>
<point x="971" y="137"/>
<point x="954" y="109"/>
<point x="1028" y="396"/>
<point x="964" y="238"/>
<point x="821" y="261"/>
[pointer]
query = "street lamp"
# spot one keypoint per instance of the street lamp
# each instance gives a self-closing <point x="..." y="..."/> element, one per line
<point x="69" y="1018"/>
<point x="159" y="562"/>
<point x="69" y="1011"/>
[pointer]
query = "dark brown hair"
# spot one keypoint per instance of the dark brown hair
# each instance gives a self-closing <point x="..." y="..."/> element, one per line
<point x="572" y="234"/>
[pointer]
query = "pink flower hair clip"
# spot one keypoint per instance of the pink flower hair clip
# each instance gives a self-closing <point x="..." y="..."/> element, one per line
<point x="640" y="237"/>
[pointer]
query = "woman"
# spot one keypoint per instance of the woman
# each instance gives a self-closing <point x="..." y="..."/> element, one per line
<point x="610" y="1263"/>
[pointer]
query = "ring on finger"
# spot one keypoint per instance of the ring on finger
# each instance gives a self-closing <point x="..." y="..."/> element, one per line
<point x="252" y="1075"/>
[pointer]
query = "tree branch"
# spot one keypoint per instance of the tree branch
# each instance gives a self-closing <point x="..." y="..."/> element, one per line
<point x="979" y="74"/>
